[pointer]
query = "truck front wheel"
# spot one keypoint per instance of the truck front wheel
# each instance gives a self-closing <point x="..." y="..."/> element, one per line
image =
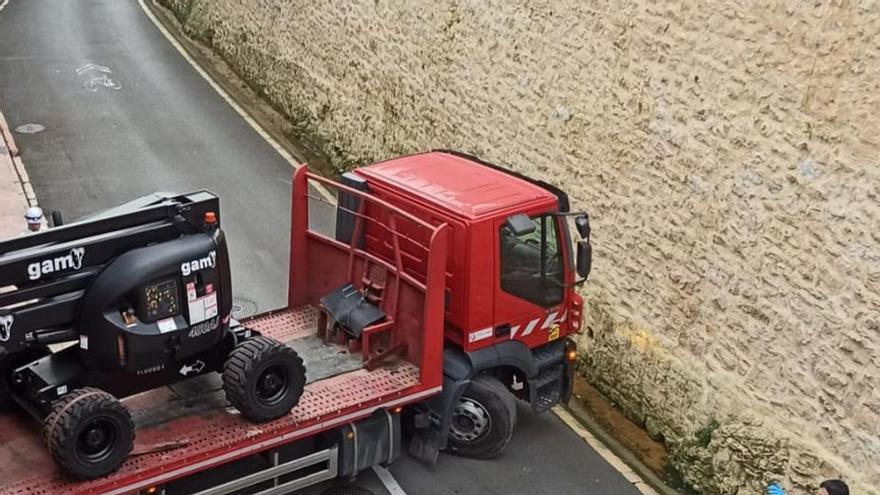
<point x="483" y="421"/>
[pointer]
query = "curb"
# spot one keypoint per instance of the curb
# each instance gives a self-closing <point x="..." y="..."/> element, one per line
<point x="605" y="451"/>
<point x="624" y="460"/>
<point x="15" y="154"/>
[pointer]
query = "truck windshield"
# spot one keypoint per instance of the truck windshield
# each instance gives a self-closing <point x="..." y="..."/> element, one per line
<point x="531" y="264"/>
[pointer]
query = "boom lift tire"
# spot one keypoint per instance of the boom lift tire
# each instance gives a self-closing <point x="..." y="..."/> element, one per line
<point x="263" y="378"/>
<point x="89" y="433"/>
<point x="483" y="420"/>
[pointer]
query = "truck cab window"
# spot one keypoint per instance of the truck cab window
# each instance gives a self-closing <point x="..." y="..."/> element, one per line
<point x="531" y="264"/>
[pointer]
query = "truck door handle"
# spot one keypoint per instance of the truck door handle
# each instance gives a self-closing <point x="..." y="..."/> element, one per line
<point x="502" y="330"/>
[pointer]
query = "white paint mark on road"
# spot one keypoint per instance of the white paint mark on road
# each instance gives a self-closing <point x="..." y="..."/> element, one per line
<point x="97" y="82"/>
<point x="3" y="4"/>
<point x="92" y="67"/>
<point x="600" y="448"/>
<point x="99" y="77"/>
<point x="30" y="128"/>
<point x="388" y="481"/>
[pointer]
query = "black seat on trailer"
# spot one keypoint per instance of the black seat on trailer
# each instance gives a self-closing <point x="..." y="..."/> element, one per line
<point x="351" y="309"/>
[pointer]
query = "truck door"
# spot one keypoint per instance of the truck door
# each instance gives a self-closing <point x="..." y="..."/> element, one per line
<point x="530" y="280"/>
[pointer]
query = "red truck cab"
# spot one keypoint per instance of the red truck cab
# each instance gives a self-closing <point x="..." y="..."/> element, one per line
<point x="511" y="272"/>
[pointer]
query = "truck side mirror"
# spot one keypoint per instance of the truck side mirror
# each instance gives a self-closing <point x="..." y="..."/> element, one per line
<point x="520" y="224"/>
<point x="584" y="258"/>
<point x="582" y="223"/>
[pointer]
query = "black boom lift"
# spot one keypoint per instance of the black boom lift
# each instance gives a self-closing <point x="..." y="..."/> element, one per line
<point x="134" y="298"/>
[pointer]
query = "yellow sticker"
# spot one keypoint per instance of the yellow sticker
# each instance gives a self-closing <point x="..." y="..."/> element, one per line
<point x="554" y="333"/>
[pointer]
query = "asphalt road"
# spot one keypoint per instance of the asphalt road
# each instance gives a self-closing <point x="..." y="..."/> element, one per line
<point x="125" y="115"/>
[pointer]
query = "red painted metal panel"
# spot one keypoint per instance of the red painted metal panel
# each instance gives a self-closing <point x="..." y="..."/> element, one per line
<point x="433" y="321"/>
<point x="456" y="184"/>
<point x="299" y="223"/>
<point x="411" y="251"/>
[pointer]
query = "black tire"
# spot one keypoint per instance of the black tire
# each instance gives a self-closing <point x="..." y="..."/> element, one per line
<point x="263" y="379"/>
<point x="347" y="490"/>
<point x="484" y="419"/>
<point x="89" y="433"/>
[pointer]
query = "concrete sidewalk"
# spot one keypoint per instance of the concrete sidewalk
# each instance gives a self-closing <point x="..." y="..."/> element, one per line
<point x="16" y="193"/>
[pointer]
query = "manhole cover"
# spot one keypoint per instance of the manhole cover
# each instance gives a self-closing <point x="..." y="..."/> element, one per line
<point x="30" y="128"/>
<point x="242" y="308"/>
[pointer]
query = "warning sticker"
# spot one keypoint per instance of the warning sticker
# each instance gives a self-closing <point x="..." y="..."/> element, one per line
<point x="191" y="292"/>
<point x="167" y="325"/>
<point x="202" y="308"/>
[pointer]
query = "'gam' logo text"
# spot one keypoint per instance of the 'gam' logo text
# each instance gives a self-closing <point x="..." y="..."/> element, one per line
<point x="189" y="267"/>
<point x="70" y="261"/>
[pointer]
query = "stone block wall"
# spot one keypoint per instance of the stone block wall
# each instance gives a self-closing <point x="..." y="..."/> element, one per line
<point x="729" y="152"/>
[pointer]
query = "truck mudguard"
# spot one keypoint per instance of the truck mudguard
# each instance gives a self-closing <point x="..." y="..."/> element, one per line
<point x="458" y="369"/>
<point x="511" y="353"/>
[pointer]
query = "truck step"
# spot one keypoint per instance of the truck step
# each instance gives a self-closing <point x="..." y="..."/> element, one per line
<point x="546" y="388"/>
<point x="549" y="354"/>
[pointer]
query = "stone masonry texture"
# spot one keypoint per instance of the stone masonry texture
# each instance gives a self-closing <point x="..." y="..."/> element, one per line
<point x="727" y="151"/>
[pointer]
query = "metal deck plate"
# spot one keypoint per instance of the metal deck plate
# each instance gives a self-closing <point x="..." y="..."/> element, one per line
<point x="207" y="429"/>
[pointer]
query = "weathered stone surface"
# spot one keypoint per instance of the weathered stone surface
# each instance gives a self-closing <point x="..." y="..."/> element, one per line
<point x="727" y="151"/>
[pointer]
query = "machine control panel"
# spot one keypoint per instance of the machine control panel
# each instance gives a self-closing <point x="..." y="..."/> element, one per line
<point x="161" y="300"/>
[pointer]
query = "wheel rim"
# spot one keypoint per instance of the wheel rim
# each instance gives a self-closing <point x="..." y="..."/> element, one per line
<point x="272" y="385"/>
<point x="97" y="440"/>
<point x="470" y="421"/>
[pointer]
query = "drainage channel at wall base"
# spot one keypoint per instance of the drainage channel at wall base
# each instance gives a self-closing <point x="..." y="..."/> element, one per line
<point x="629" y="441"/>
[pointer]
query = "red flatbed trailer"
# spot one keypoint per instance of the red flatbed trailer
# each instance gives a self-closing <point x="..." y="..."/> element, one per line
<point x="185" y="437"/>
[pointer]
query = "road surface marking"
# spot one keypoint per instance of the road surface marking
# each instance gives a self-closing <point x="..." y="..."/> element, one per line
<point x="388" y="480"/>
<point x="90" y="67"/>
<point x="603" y="451"/>
<point x="3" y="4"/>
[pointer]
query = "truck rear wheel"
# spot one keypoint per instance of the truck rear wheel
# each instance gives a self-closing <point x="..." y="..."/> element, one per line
<point x="89" y="433"/>
<point x="483" y="420"/>
<point x="263" y="379"/>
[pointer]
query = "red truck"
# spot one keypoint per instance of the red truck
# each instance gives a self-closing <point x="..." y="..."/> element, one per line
<point x="426" y="293"/>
